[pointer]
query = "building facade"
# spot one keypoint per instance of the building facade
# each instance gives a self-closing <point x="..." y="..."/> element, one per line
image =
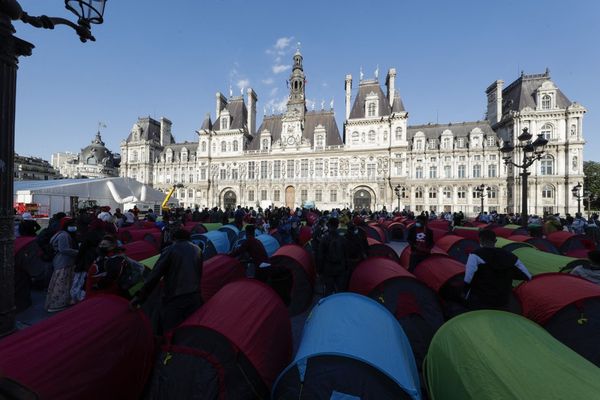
<point x="33" y="169"/>
<point x="299" y="157"/>
<point x="94" y="161"/>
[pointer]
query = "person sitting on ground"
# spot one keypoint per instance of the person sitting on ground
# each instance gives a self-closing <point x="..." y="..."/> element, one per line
<point x="420" y="240"/>
<point x="489" y="273"/>
<point x="589" y="272"/>
<point x="252" y="251"/>
<point x="181" y="266"/>
<point x="332" y="263"/>
<point x="28" y="226"/>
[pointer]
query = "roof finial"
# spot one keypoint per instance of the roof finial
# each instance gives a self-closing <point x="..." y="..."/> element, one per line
<point x="101" y="125"/>
<point x="298" y="48"/>
<point x="242" y="91"/>
<point x="230" y="91"/>
<point x="547" y="72"/>
<point x="331" y="104"/>
<point x="322" y="104"/>
<point x="264" y="110"/>
<point x="361" y="73"/>
<point x="313" y="105"/>
<point x="377" y="72"/>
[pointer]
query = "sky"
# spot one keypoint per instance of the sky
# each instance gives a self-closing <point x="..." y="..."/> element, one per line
<point x="169" y="58"/>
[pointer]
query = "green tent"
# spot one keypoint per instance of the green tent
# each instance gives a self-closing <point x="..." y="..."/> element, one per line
<point x="510" y="245"/>
<point x="497" y="355"/>
<point x="149" y="262"/>
<point x="513" y="226"/>
<point x="538" y="262"/>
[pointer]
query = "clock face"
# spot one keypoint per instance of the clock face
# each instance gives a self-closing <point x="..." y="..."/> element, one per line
<point x="291" y="140"/>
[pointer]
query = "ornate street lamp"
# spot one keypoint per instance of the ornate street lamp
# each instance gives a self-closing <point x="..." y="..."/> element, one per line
<point x="577" y="194"/>
<point x="531" y="151"/>
<point x="399" y="191"/>
<point x="11" y="48"/>
<point x="483" y="192"/>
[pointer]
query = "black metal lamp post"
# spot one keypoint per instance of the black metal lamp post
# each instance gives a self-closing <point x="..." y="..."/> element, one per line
<point x="483" y="192"/>
<point x="531" y="151"/>
<point x="577" y="194"/>
<point x="398" y="190"/>
<point x="11" y="48"/>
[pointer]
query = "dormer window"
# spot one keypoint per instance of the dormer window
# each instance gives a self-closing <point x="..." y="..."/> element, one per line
<point x="371" y="109"/>
<point x="371" y="105"/>
<point x="225" y="120"/>
<point x="265" y="144"/>
<point x="460" y="143"/>
<point x="491" y="141"/>
<point x="546" y="102"/>
<point x="319" y="142"/>
<point x="399" y="133"/>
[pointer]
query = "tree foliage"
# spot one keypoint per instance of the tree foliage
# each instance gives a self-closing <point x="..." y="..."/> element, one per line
<point x="591" y="182"/>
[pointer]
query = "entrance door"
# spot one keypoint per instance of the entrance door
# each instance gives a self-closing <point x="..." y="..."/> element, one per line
<point x="229" y="199"/>
<point x="290" y="197"/>
<point x="362" y="199"/>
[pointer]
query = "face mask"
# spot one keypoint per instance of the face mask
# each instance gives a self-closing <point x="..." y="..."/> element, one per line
<point x="72" y="229"/>
<point x="418" y="224"/>
<point x="355" y="231"/>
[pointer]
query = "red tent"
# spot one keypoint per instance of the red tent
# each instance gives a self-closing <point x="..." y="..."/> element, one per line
<point x="300" y="264"/>
<point x="394" y="229"/>
<point x="219" y="271"/>
<point x="374" y="232"/>
<point x="438" y="233"/>
<point x="405" y="257"/>
<point x="140" y="250"/>
<point x="195" y="227"/>
<point x="232" y="348"/>
<point x="98" y="349"/>
<point x="305" y="235"/>
<point x="472" y="234"/>
<point x="378" y="249"/>
<point x="568" y="307"/>
<point x="437" y="270"/>
<point x="570" y="244"/>
<point x="132" y="234"/>
<point x="539" y="243"/>
<point x="456" y="247"/>
<point x="504" y="232"/>
<point x="372" y="272"/>
<point x="439" y="224"/>
<point x="311" y="218"/>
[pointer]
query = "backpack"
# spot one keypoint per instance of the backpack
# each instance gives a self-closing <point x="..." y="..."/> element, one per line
<point x="335" y="249"/>
<point x="131" y="274"/>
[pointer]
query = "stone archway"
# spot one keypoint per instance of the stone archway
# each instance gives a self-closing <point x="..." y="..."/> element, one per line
<point x="362" y="199"/>
<point x="290" y="197"/>
<point x="229" y="199"/>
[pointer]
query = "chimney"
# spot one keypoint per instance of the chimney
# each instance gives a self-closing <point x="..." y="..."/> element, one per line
<point x="221" y="103"/>
<point x="348" y="94"/>
<point x="494" y="96"/>
<point x="252" y="99"/>
<point x="165" y="131"/>
<point x="390" y="82"/>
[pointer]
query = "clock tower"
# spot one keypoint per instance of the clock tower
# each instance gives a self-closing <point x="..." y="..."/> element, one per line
<point x="293" y="120"/>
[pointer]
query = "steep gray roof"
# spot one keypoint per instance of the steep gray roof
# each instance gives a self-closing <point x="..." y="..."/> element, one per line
<point x="312" y="119"/>
<point x="522" y="93"/>
<point x="150" y="129"/>
<point x="207" y="124"/>
<point x="238" y="112"/>
<point x="434" y="131"/>
<point x="366" y="87"/>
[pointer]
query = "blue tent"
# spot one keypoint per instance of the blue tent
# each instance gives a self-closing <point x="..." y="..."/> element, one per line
<point x="212" y="243"/>
<point x="351" y="348"/>
<point x="271" y="244"/>
<point x="232" y="232"/>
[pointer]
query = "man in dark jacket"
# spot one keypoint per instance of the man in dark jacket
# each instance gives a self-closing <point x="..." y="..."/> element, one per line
<point x="420" y="240"/>
<point x="489" y="274"/>
<point x="332" y="263"/>
<point x="252" y="251"/>
<point x="181" y="266"/>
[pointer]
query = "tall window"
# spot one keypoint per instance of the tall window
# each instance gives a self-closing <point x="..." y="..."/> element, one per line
<point x="461" y="171"/>
<point x="250" y="195"/>
<point x="419" y="173"/>
<point x="223" y="174"/>
<point x="276" y="195"/>
<point x="371" y="136"/>
<point x="546" y="131"/>
<point x="493" y="193"/>
<point x="398" y="167"/>
<point x="277" y="169"/>
<point x="547" y="192"/>
<point x="303" y="195"/>
<point x="223" y="147"/>
<point x="203" y="174"/>
<point x="355" y="137"/>
<point x="547" y="165"/>
<point x="447" y="193"/>
<point x="234" y="174"/>
<point x="491" y="141"/>
<point x="235" y="146"/>
<point x="304" y="168"/>
<point x="460" y="143"/>
<point x="491" y="170"/>
<point x="432" y="193"/>
<point x="399" y="133"/>
<point x="263" y="170"/>
<point x="476" y="171"/>
<point x="203" y="147"/>
<point x="447" y="171"/>
<point x="318" y="195"/>
<point x="419" y="193"/>
<point x="224" y="122"/>
<point x="333" y="168"/>
<point x="319" y="167"/>
<point x="446" y="144"/>
<point x="371" y="108"/>
<point x="251" y="168"/>
<point x="418" y="144"/>
<point x="546" y="102"/>
<point x="433" y="172"/>
<point x="134" y="156"/>
<point x="290" y="169"/>
<point x="265" y="144"/>
<point x="319" y="142"/>
<point x="333" y="195"/>
<point x="263" y="194"/>
<point x="461" y="192"/>
<point x="371" y="170"/>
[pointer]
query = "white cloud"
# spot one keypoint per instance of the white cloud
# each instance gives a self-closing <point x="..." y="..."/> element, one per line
<point x="273" y="92"/>
<point x="277" y="105"/>
<point x="243" y="83"/>
<point x="283" y="42"/>
<point x="268" y="81"/>
<point x="279" y="68"/>
<point x="324" y="84"/>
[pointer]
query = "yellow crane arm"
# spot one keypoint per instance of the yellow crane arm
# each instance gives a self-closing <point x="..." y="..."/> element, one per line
<point x="169" y="194"/>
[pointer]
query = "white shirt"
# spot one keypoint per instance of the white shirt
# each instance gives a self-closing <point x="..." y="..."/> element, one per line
<point x="474" y="261"/>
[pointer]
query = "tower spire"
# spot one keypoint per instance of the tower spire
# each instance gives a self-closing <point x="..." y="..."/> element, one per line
<point x="297" y="100"/>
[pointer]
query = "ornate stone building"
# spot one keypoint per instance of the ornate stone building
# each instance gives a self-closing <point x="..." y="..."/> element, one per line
<point x="299" y="157"/>
<point x="94" y="161"/>
<point x="33" y="169"/>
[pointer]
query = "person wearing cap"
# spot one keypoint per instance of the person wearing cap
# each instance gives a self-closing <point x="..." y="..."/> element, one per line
<point x="65" y="248"/>
<point x="28" y="226"/>
<point x="489" y="274"/>
<point x="589" y="272"/>
<point x="420" y="240"/>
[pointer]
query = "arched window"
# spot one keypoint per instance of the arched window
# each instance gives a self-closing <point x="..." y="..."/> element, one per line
<point x="235" y="145"/>
<point x="462" y="192"/>
<point x="223" y="147"/>
<point x="547" y="165"/>
<point x="419" y="193"/>
<point x="371" y="136"/>
<point x="546" y="102"/>
<point x="371" y="108"/>
<point x="418" y="144"/>
<point x="547" y="192"/>
<point x="447" y="193"/>
<point x="355" y="137"/>
<point x="399" y="133"/>
<point x="432" y="172"/>
<point x="446" y="143"/>
<point x="203" y="147"/>
<point x="432" y="193"/>
<point x="546" y="131"/>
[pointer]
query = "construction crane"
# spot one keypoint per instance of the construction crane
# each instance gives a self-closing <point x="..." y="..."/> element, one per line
<point x="164" y="206"/>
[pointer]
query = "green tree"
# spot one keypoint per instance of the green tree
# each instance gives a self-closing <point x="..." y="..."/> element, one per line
<point x="591" y="182"/>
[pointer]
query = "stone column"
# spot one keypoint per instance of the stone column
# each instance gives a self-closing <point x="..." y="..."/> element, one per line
<point x="11" y="48"/>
